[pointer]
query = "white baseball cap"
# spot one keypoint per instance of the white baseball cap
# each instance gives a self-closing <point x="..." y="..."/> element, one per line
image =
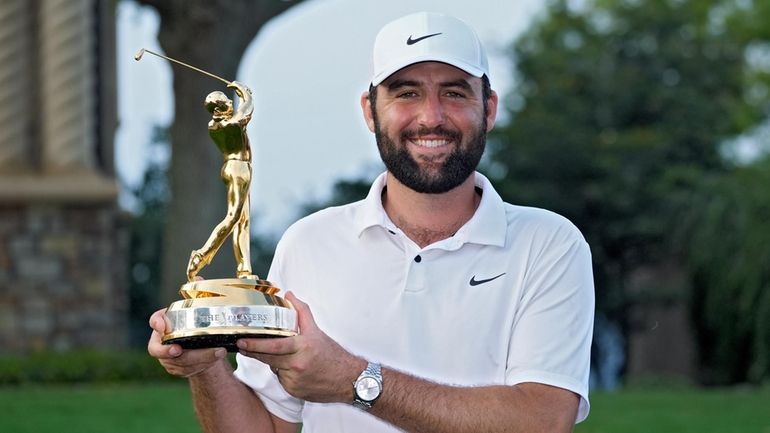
<point x="423" y="37"/>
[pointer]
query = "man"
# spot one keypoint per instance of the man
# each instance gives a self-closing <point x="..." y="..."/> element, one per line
<point x="436" y="307"/>
<point x="228" y="130"/>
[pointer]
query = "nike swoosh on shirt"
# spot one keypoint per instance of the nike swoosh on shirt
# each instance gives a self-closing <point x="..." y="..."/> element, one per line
<point x="475" y="282"/>
<point x="410" y="41"/>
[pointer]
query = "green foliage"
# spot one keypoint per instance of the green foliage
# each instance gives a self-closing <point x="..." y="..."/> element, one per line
<point x="728" y="239"/>
<point x="146" y="239"/>
<point x="80" y="367"/>
<point x="622" y="108"/>
<point x="262" y="250"/>
<point x="343" y="191"/>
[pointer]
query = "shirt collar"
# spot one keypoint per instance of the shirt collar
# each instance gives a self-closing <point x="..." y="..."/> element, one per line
<point x="488" y="226"/>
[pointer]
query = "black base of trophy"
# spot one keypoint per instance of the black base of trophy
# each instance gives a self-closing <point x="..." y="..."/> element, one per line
<point x="227" y="341"/>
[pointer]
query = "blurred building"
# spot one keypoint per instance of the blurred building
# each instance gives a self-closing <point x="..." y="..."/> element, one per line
<point x="661" y="341"/>
<point x="62" y="266"/>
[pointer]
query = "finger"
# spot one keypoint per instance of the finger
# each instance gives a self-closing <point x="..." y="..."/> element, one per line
<point x="305" y="318"/>
<point x="193" y="362"/>
<point x="194" y="357"/>
<point x="274" y="361"/>
<point x="202" y="356"/>
<point x="157" y="349"/>
<point x="270" y="346"/>
<point x="158" y="321"/>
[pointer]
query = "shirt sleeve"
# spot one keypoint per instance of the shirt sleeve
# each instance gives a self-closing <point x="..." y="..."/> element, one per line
<point x="260" y="378"/>
<point x="553" y="328"/>
<point x="266" y="386"/>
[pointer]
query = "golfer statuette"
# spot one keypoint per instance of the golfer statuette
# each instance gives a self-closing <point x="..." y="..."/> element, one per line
<point x="215" y="313"/>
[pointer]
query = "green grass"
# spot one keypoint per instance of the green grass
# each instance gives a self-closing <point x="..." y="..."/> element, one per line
<point x="165" y="407"/>
<point x="120" y="408"/>
<point x="679" y="410"/>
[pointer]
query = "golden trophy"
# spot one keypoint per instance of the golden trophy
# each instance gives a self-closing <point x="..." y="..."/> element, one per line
<point x="215" y="313"/>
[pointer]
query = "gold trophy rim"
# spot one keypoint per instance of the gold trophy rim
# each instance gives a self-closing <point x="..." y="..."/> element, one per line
<point x="254" y="294"/>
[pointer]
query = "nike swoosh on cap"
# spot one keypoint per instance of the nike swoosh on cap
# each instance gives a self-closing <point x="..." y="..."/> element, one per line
<point x="410" y="41"/>
<point x="475" y="282"/>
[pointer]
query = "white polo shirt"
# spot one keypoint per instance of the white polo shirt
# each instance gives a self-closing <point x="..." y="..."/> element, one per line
<point x="508" y="299"/>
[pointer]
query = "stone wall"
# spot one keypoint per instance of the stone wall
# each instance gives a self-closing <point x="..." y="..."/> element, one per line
<point x="61" y="267"/>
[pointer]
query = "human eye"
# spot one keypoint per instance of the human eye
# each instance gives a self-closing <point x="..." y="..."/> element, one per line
<point x="403" y="89"/>
<point x="459" y="89"/>
<point x="454" y="94"/>
<point x="406" y="94"/>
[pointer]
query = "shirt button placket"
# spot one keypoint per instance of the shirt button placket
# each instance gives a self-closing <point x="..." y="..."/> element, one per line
<point x="415" y="281"/>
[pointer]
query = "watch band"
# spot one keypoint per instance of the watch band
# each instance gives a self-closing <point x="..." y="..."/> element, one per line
<point x="373" y="371"/>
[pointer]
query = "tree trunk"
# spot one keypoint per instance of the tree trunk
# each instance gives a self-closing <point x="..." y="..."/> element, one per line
<point x="211" y="35"/>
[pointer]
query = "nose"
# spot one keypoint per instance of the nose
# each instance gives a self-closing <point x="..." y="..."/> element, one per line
<point x="431" y="112"/>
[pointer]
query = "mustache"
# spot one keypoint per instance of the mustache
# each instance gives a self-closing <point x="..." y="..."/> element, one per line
<point x="439" y="131"/>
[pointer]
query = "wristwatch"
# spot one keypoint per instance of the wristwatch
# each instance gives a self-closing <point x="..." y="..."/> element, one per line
<point x="368" y="387"/>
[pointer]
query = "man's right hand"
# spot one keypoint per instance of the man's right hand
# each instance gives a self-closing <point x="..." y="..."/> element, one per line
<point x="176" y="361"/>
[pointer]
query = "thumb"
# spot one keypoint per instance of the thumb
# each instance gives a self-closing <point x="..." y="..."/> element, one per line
<point x="305" y="318"/>
<point x="159" y="321"/>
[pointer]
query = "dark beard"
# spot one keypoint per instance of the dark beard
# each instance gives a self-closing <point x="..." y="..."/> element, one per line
<point x="460" y="164"/>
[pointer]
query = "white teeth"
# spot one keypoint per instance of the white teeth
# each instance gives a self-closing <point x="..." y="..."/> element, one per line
<point x="431" y="143"/>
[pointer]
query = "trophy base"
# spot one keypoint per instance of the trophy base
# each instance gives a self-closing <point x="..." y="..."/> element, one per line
<point x="219" y="312"/>
<point x="217" y="340"/>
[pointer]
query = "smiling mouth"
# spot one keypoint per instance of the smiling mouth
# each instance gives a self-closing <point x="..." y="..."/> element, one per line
<point x="432" y="143"/>
<point x="431" y="138"/>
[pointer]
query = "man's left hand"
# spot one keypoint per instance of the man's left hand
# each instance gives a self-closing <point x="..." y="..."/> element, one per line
<point x="310" y="366"/>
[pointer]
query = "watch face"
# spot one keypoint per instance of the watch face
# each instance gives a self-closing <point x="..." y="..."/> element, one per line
<point x="368" y="388"/>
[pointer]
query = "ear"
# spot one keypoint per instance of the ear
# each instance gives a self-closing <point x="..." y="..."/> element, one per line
<point x="366" y="107"/>
<point x="491" y="110"/>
